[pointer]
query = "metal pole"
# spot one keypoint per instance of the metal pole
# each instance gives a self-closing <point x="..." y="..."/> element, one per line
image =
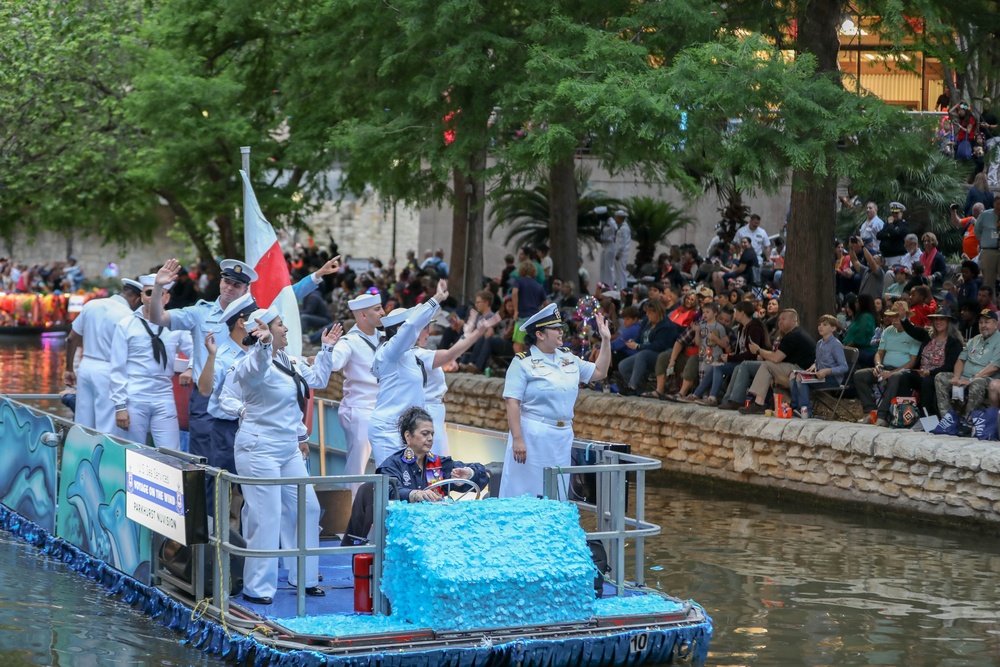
<point x="378" y="527"/>
<point x="321" y="405"/>
<point x="300" y="544"/>
<point x="245" y="165"/>
<point x="222" y="532"/>
<point x="640" y="516"/>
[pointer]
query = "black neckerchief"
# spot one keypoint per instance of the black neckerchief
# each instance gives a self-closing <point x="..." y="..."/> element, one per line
<point x="159" y="349"/>
<point x="423" y="369"/>
<point x="301" y="387"/>
<point x="367" y="341"/>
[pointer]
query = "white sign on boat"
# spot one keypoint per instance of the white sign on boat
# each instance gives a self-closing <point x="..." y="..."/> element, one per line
<point x="162" y="493"/>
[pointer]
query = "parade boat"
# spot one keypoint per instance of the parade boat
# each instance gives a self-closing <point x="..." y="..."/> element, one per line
<point x="483" y="582"/>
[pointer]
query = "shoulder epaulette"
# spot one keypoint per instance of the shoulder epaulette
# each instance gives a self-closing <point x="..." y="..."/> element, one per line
<point x="522" y="355"/>
<point x="565" y="349"/>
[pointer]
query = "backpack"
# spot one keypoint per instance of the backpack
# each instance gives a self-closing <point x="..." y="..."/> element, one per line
<point x="903" y="412"/>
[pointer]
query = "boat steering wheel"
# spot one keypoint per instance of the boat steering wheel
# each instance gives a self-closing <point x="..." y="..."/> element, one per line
<point x="456" y="480"/>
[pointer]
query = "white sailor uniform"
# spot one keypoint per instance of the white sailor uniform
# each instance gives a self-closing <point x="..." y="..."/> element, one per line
<point x="435" y="387"/>
<point x="400" y="381"/>
<point x="623" y="247"/>
<point x="96" y="324"/>
<point x="267" y="445"/>
<point x="608" y="233"/>
<point x="141" y="379"/>
<point x="547" y="387"/>
<point x="354" y="354"/>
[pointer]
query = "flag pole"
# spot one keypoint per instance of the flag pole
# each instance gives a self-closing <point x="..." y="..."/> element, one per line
<point x="245" y="165"/>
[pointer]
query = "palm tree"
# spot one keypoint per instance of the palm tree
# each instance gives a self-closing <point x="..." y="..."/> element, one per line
<point x="651" y="221"/>
<point x="524" y="212"/>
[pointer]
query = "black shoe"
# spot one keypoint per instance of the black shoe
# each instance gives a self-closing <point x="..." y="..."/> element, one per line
<point x="627" y="391"/>
<point x="753" y="409"/>
<point x="255" y="600"/>
<point x="315" y="592"/>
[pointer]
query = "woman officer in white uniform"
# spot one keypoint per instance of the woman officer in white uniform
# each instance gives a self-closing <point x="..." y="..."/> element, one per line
<point x="272" y="442"/>
<point x="540" y="392"/>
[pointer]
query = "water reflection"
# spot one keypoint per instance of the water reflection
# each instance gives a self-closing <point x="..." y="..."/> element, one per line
<point x="785" y="584"/>
<point x="793" y="586"/>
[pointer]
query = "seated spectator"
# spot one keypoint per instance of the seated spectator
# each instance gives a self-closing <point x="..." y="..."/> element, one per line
<point x="771" y="309"/>
<point x="861" y="330"/>
<point x="796" y="351"/>
<point x="684" y="314"/>
<point x="921" y="304"/>
<point x="901" y="276"/>
<point x="968" y="319"/>
<point x="744" y="266"/>
<point x="749" y="329"/>
<point x="871" y="271"/>
<point x="565" y="298"/>
<point x="912" y="254"/>
<point x="897" y="353"/>
<point x="830" y="366"/>
<point x="985" y="297"/>
<point x="498" y="342"/>
<point x="978" y="364"/>
<point x="656" y="334"/>
<point x="939" y="351"/>
<point x="917" y="278"/>
<point x="632" y="321"/>
<point x="846" y="282"/>
<point x="713" y="343"/>
<point x="933" y="261"/>
<point x="968" y="289"/>
<point x="687" y="268"/>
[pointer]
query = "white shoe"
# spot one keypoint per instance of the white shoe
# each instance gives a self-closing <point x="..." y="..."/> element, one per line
<point x="881" y="422"/>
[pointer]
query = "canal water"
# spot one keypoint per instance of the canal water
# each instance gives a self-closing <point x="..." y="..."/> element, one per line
<point x="786" y="584"/>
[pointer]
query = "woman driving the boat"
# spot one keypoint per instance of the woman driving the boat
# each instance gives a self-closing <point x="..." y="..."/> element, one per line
<point x="415" y="468"/>
<point x="540" y="391"/>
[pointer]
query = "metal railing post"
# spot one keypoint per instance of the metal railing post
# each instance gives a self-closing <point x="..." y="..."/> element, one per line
<point x="300" y="544"/>
<point x="640" y="515"/>
<point x="381" y="500"/>
<point x="223" y="575"/>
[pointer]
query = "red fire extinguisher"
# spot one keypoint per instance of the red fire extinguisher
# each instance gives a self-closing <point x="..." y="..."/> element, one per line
<point x="363" y="582"/>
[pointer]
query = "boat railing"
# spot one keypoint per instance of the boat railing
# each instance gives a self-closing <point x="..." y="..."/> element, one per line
<point x="610" y="506"/>
<point x="220" y="538"/>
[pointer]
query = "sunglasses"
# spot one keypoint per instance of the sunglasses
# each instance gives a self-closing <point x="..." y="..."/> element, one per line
<point x="148" y="292"/>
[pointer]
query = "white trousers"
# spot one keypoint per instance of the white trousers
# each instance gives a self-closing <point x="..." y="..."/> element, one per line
<point x="384" y="438"/>
<point x="621" y="273"/>
<point x="93" y="396"/>
<point x="548" y="447"/>
<point x="437" y="413"/>
<point x="158" y="417"/>
<point x="269" y="514"/>
<point x="607" y="265"/>
<point x="354" y="421"/>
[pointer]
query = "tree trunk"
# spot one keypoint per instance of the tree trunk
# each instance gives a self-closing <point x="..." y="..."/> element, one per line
<point x="563" y="200"/>
<point x="474" y="237"/>
<point x="228" y="245"/>
<point x="808" y="281"/>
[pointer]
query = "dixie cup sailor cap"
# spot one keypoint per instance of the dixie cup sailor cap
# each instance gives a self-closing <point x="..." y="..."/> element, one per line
<point x="364" y="301"/>
<point x="134" y="284"/>
<point x="239" y="271"/>
<point x="396" y="316"/>
<point x="621" y="213"/>
<point x="149" y="280"/>
<point x="265" y="315"/>
<point x="543" y="319"/>
<point x="601" y="210"/>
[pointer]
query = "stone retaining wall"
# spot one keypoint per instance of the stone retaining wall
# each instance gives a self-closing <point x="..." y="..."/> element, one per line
<point x="897" y="470"/>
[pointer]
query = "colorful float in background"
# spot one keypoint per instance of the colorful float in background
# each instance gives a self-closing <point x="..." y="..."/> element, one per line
<point x="24" y="314"/>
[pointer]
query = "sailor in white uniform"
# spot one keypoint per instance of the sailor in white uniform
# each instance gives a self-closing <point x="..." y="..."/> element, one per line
<point x="142" y="373"/>
<point x="272" y="442"/>
<point x="94" y="327"/>
<point x="223" y="353"/>
<point x="200" y="319"/>
<point x="400" y="377"/>
<point x="609" y="228"/>
<point x="353" y="354"/>
<point x="623" y="248"/>
<point x="432" y="362"/>
<point x="540" y="392"/>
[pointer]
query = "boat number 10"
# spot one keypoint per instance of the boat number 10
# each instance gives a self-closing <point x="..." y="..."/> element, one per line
<point x="637" y="643"/>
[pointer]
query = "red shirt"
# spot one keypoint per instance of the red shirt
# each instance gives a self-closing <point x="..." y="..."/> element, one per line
<point x="920" y="312"/>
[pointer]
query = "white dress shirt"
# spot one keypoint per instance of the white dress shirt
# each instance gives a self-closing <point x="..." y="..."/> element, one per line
<point x="136" y="376"/>
<point x="400" y="378"/>
<point x="354" y="354"/>
<point x="96" y="323"/>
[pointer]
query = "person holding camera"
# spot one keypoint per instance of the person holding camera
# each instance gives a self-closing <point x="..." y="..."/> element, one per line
<point x="871" y="271"/>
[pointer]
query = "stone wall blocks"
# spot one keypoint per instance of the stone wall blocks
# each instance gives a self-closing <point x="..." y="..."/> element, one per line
<point x="832" y="434"/>
<point x="990" y="459"/>
<point x="961" y="453"/>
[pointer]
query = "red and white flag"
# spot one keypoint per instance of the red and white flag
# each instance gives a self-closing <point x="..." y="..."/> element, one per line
<point x="273" y="285"/>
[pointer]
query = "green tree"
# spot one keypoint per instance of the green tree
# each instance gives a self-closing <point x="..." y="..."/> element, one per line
<point x="652" y="221"/>
<point x="524" y="214"/>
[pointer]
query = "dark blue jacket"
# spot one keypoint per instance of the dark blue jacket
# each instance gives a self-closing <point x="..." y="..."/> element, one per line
<point x="409" y="476"/>
<point x="660" y="338"/>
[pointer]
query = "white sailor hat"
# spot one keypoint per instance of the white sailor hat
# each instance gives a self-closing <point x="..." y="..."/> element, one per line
<point x="545" y="318"/>
<point x="621" y="213"/>
<point x="896" y="206"/>
<point x="601" y="210"/>
<point x="397" y="316"/>
<point x="238" y="307"/>
<point x="364" y="301"/>
<point x="239" y="271"/>
<point x="149" y="280"/>
<point x="134" y="284"/>
<point x="612" y="294"/>
<point x="265" y="315"/>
